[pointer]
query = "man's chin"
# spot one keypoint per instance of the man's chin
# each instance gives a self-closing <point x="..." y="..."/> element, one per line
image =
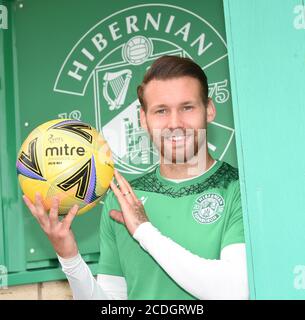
<point x="178" y="157"/>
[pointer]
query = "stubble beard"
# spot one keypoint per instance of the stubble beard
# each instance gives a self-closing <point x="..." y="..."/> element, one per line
<point x="191" y="151"/>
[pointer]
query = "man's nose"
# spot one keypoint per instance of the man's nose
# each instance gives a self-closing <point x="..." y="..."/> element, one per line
<point x="174" y="120"/>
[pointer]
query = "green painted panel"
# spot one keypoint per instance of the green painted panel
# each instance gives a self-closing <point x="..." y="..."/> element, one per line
<point x="63" y="55"/>
<point x="41" y="275"/>
<point x="14" y="246"/>
<point x="266" y="45"/>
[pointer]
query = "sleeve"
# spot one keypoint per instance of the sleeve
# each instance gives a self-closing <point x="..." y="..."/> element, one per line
<point x="109" y="261"/>
<point x="114" y="286"/>
<point x="85" y="287"/>
<point x="206" y="279"/>
<point x="234" y="228"/>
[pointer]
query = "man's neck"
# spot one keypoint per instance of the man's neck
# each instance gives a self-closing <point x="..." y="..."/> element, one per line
<point x="185" y="170"/>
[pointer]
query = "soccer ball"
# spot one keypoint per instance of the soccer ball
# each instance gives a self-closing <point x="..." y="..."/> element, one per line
<point x="66" y="158"/>
<point x="137" y="50"/>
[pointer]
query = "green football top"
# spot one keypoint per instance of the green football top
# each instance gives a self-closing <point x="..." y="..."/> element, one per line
<point x="202" y="214"/>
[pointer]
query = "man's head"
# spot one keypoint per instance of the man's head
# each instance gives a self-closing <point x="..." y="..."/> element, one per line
<point x="176" y="107"/>
<point x="169" y="67"/>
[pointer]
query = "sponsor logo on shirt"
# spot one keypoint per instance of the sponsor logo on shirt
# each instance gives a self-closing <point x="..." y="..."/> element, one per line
<point x="208" y="208"/>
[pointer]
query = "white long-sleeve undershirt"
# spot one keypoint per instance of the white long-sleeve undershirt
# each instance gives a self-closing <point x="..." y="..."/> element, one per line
<point x="206" y="279"/>
<point x="203" y="278"/>
<point x="85" y="287"/>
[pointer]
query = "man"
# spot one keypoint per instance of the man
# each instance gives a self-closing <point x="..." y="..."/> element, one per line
<point x="185" y="239"/>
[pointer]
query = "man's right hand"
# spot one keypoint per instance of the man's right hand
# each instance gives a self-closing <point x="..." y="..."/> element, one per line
<point x="58" y="232"/>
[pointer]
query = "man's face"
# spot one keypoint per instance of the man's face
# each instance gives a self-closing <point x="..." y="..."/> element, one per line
<point x="176" y="117"/>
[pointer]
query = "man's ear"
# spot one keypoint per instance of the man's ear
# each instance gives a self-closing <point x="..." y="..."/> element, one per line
<point x="211" y="111"/>
<point x="143" y="118"/>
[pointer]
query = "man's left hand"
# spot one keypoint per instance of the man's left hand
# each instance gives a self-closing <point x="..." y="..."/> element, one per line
<point x="133" y="213"/>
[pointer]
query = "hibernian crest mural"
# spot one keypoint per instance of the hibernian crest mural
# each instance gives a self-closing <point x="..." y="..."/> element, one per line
<point x="110" y="59"/>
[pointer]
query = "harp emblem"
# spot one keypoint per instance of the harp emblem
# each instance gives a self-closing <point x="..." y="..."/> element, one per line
<point x="115" y="87"/>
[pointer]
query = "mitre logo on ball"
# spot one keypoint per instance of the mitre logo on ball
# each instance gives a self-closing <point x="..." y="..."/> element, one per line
<point x="64" y="150"/>
<point x="68" y="159"/>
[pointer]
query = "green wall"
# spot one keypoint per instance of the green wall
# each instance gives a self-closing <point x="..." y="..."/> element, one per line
<point x="266" y="45"/>
<point x="43" y="45"/>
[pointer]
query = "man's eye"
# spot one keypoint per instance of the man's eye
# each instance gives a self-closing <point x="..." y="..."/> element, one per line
<point x="161" y="111"/>
<point x="187" y="108"/>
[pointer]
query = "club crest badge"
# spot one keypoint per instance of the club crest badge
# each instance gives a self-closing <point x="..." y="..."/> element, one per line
<point x="208" y="208"/>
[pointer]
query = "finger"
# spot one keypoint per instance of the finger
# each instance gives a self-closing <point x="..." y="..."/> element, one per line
<point x="38" y="203"/>
<point x="134" y="197"/>
<point x="53" y="215"/>
<point x="120" y="181"/>
<point x="67" y="221"/>
<point x="117" y="216"/>
<point x="29" y="204"/>
<point x="121" y="199"/>
<point x="124" y="187"/>
<point x="41" y="214"/>
<point x="116" y="191"/>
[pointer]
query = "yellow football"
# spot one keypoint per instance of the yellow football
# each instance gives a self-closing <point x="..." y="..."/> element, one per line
<point x="68" y="159"/>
